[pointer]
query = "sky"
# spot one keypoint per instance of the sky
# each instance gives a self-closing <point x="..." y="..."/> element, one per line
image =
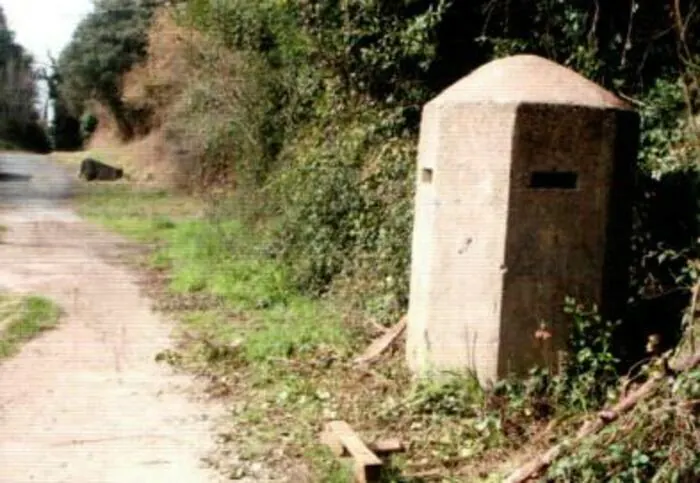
<point x="41" y="26"/>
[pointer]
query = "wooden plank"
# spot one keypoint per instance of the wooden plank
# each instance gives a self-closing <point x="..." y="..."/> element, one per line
<point x="382" y="343"/>
<point x="382" y="447"/>
<point x="330" y="439"/>
<point x="386" y="446"/>
<point x="367" y="464"/>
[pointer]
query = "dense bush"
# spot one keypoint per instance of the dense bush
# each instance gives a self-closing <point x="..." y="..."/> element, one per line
<point x="335" y="122"/>
<point x="342" y="83"/>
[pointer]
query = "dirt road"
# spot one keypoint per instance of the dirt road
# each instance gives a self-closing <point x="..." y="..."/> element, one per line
<point x="87" y="402"/>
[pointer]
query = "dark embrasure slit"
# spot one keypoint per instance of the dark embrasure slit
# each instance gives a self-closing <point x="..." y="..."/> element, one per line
<point x="567" y="180"/>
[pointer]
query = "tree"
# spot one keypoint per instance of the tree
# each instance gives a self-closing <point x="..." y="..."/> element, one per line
<point x="19" y="119"/>
<point x="105" y="45"/>
<point x="65" y="127"/>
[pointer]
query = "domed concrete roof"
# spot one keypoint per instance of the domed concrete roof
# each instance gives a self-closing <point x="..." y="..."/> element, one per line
<point x="528" y="79"/>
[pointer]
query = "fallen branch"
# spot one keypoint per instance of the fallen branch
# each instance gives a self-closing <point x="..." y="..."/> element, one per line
<point x="382" y="343"/>
<point x="605" y="417"/>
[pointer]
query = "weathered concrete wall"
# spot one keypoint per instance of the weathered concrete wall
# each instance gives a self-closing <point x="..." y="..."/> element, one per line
<point x="522" y="199"/>
<point x="459" y="237"/>
<point x="557" y="234"/>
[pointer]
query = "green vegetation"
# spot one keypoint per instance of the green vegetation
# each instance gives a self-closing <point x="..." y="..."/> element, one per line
<point x="138" y="214"/>
<point x="287" y="358"/>
<point x="22" y="319"/>
<point x="320" y="132"/>
<point x="223" y="260"/>
<point x="20" y="125"/>
<point x="8" y="146"/>
<point x="652" y="443"/>
<point x="106" y="44"/>
<point x="311" y="111"/>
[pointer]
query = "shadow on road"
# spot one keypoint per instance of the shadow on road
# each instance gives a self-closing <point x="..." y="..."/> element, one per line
<point x="14" y="177"/>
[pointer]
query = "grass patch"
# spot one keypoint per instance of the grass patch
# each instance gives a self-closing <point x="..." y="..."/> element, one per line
<point x="224" y="260"/>
<point x="228" y="262"/>
<point x="22" y="319"/>
<point x="145" y="215"/>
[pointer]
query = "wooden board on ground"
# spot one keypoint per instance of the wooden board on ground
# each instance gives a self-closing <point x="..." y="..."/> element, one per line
<point x="342" y="439"/>
<point x="382" y="343"/>
<point x="386" y="446"/>
<point x="382" y="447"/>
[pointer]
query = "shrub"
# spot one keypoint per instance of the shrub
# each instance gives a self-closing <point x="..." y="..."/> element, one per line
<point x="88" y="125"/>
